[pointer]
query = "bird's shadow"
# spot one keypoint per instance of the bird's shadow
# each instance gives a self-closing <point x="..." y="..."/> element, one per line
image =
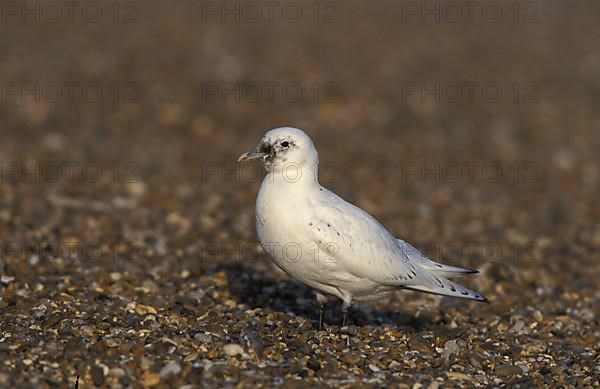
<point x="260" y="290"/>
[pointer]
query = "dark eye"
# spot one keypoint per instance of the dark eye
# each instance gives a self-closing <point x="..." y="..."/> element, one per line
<point x="285" y="144"/>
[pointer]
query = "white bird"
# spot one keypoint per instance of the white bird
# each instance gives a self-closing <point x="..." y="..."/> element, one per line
<point x="329" y="244"/>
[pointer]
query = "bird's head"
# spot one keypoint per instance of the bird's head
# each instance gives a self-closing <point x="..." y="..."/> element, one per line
<point x="285" y="148"/>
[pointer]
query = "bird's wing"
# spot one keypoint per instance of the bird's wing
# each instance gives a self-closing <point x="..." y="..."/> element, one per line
<point x="437" y="268"/>
<point x="362" y="245"/>
<point x="366" y="249"/>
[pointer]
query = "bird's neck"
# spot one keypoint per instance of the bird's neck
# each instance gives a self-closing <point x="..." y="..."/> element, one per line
<point x="301" y="175"/>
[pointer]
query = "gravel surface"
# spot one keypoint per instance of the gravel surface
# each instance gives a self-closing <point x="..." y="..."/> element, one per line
<point x="129" y="256"/>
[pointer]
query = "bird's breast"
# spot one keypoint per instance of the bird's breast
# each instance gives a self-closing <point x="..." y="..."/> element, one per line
<point x="284" y="217"/>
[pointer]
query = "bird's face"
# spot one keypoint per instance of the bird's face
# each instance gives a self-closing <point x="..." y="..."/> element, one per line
<point x="283" y="147"/>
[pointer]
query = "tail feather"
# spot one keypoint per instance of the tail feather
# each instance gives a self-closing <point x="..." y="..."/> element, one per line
<point x="433" y="276"/>
<point x="446" y="271"/>
<point x="446" y="287"/>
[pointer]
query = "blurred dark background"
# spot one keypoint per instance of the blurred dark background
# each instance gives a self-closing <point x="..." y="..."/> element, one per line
<point x="151" y="103"/>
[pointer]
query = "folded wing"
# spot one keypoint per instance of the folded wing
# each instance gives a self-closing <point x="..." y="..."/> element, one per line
<point x="367" y="250"/>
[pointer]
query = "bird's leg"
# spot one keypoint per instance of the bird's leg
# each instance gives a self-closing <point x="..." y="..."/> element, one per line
<point x="321" y="309"/>
<point x="345" y="309"/>
<point x="321" y="299"/>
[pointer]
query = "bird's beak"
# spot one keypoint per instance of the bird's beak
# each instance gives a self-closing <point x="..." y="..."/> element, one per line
<point x="254" y="154"/>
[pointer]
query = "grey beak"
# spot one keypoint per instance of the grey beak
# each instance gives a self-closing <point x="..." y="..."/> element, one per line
<point x="254" y="154"/>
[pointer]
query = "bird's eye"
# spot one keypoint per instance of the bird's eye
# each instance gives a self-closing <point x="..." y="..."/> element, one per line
<point x="285" y="144"/>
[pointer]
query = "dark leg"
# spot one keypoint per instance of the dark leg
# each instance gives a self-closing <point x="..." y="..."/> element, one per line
<point x="345" y="309"/>
<point x="321" y="299"/>
<point x="321" y="309"/>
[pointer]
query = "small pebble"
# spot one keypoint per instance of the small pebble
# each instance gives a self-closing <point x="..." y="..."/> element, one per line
<point x="451" y="348"/>
<point x="203" y="338"/>
<point x="5" y="280"/>
<point x="170" y="368"/>
<point x="233" y="349"/>
<point x="313" y="364"/>
<point x="508" y="370"/>
<point x="97" y="375"/>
